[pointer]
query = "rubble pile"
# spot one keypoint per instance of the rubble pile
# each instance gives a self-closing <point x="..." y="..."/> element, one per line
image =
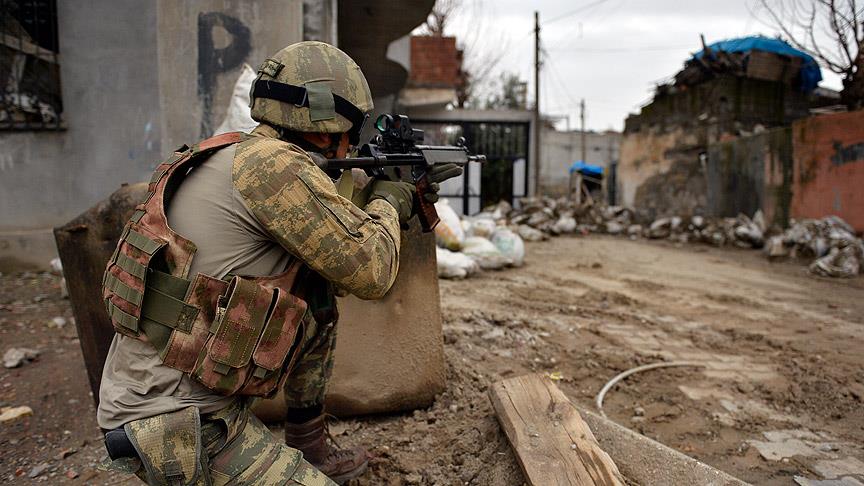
<point x="539" y="218"/>
<point x="830" y="241"/>
<point x="742" y="231"/>
<point x="554" y="217"/>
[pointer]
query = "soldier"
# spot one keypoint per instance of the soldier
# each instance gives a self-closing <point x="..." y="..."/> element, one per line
<point x="222" y="286"/>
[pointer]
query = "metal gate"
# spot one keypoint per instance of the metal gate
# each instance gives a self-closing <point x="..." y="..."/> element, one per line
<point x="505" y="174"/>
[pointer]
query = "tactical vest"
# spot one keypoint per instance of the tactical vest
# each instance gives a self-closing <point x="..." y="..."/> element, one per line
<point x="235" y="336"/>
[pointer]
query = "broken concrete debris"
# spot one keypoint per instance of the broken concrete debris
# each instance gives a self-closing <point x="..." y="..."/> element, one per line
<point x="15" y="357"/>
<point x="38" y="470"/>
<point x="829" y="243"/>
<point x="8" y="414"/>
<point x="832" y="466"/>
<point x="839" y="468"/>
<point x="845" y="481"/>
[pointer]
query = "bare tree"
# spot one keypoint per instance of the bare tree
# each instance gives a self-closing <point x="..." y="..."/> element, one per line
<point x="482" y="50"/>
<point x="832" y="31"/>
<point x="440" y="16"/>
<point x="509" y="92"/>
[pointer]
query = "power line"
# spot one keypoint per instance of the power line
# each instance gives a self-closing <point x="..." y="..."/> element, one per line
<point x="575" y="11"/>
<point x="557" y="78"/>
<point x="622" y="49"/>
<point x="579" y="27"/>
<point x="613" y="10"/>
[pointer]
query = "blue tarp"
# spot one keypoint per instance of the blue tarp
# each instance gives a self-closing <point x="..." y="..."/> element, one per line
<point x="810" y="72"/>
<point x="586" y="169"/>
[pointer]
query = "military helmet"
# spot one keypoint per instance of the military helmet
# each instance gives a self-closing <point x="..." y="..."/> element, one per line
<point x="311" y="87"/>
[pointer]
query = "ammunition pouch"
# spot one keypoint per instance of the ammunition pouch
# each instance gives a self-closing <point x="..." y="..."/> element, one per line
<point x="169" y="446"/>
<point x="252" y="335"/>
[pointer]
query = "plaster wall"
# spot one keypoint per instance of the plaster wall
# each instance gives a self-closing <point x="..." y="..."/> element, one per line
<point x="828" y="153"/>
<point x="203" y="45"/>
<point x="108" y="69"/>
<point x="650" y="153"/>
<point x="747" y="174"/>
<point x="139" y="78"/>
<point x="109" y="80"/>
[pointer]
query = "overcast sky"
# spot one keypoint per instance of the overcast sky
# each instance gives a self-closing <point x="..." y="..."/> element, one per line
<point x="610" y="52"/>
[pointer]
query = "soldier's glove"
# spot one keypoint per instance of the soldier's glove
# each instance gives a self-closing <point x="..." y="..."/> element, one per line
<point x="438" y="174"/>
<point x="400" y="195"/>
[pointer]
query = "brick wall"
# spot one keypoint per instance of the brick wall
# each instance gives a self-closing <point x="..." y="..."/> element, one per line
<point x="435" y="62"/>
<point x="828" y="176"/>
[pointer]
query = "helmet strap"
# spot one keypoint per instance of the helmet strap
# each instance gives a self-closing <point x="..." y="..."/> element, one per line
<point x="317" y="97"/>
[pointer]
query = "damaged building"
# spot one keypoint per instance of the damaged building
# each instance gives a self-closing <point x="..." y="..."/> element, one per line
<point x="673" y="161"/>
<point x="94" y="97"/>
<point x="432" y="98"/>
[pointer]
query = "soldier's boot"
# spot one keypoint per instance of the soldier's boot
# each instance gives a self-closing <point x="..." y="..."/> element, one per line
<point x="340" y="465"/>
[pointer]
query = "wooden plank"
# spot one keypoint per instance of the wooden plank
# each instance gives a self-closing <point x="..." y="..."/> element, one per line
<point x="553" y="444"/>
<point x="27" y="47"/>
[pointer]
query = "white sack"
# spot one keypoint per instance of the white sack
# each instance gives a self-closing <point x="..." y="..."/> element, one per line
<point x="482" y="227"/>
<point x="455" y="265"/>
<point x="485" y="253"/>
<point x="510" y="245"/>
<point x="238" y="118"/>
<point x="448" y="232"/>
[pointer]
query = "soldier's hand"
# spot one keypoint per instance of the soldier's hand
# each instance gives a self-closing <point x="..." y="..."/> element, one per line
<point x="400" y="195"/>
<point x="438" y="174"/>
<point x="441" y="172"/>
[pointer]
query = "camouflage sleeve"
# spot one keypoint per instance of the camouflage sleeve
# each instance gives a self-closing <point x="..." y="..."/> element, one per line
<point x="298" y="205"/>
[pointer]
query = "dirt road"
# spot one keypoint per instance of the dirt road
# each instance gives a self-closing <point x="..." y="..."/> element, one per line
<point x="782" y="352"/>
<point x="780" y="355"/>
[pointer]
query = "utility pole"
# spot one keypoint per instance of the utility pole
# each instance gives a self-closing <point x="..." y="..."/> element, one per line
<point x="536" y="154"/>
<point x="582" y="134"/>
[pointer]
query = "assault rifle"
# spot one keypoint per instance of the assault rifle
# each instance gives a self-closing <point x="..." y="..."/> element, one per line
<point x="397" y="144"/>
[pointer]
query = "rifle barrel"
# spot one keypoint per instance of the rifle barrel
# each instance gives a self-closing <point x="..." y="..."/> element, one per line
<point x="393" y="160"/>
<point x="390" y="160"/>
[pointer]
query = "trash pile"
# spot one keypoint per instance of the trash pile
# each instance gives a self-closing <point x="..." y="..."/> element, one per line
<point x="830" y="241"/>
<point x="466" y="246"/>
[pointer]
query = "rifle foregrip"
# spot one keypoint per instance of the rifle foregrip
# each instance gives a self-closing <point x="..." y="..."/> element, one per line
<point x="425" y="210"/>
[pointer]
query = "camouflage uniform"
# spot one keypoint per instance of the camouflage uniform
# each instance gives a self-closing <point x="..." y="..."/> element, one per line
<point x="279" y="207"/>
<point x="233" y="446"/>
<point x="227" y="447"/>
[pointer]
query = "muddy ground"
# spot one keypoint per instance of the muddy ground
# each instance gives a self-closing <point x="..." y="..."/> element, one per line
<point x="778" y="393"/>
